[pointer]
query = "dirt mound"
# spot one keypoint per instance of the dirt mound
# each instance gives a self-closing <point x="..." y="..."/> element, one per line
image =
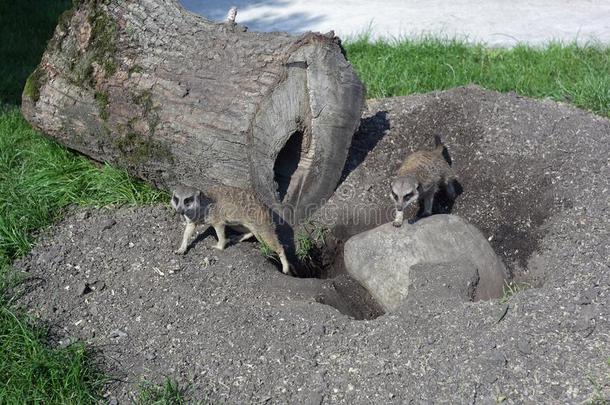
<point x="519" y="161"/>
<point x="230" y="324"/>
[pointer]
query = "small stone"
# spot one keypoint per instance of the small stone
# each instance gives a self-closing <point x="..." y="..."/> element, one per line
<point x="83" y="289"/>
<point x="108" y="224"/>
<point x="117" y="334"/>
<point x="97" y="285"/>
<point x="498" y="358"/>
<point x="84" y="215"/>
<point x="524" y="346"/>
<point x="67" y="341"/>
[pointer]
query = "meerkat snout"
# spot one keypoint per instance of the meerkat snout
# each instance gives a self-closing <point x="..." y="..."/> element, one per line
<point x="404" y="193"/>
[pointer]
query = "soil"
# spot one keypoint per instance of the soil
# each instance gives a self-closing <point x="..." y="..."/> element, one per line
<point x="234" y="329"/>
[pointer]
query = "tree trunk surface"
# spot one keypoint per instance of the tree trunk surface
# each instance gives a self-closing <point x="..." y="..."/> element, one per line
<point x="175" y="98"/>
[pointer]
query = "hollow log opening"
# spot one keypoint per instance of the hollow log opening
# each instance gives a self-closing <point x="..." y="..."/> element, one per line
<point x="287" y="164"/>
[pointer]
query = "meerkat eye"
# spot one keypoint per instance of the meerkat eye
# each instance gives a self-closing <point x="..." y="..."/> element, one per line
<point x="175" y="200"/>
<point x="188" y="201"/>
<point x="394" y="196"/>
<point x="408" y="196"/>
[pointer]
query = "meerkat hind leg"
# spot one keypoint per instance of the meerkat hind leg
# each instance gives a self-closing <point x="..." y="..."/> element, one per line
<point x="220" y="234"/>
<point x="450" y="189"/>
<point x="189" y="230"/>
<point x="428" y="202"/>
<point x="284" y="261"/>
<point x="245" y="236"/>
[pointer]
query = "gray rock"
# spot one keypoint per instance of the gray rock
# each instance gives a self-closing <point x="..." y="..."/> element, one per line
<point x="83" y="288"/>
<point x="524" y="346"/>
<point x="442" y="255"/>
<point x="108" y="224"/>
<point x="117" y="334"/>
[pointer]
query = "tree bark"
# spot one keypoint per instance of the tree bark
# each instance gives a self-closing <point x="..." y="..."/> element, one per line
<point x="175" y="98"/>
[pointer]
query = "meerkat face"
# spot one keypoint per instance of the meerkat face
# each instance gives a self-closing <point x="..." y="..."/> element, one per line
<point x="404" y="192"/>
<point x="185" y="200"/>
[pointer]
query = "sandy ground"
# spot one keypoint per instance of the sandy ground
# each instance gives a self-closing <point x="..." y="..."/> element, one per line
<point x="495" y="22"/>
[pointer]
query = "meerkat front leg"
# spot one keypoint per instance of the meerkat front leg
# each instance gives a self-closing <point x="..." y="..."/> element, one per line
<point x="220" y="234"/>
<point x="398" y="218"/>
<point x="188" y="232"/>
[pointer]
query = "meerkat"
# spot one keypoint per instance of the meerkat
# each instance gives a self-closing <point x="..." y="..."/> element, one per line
<point x="222" y="206"/>
<point x="419" y="178"/>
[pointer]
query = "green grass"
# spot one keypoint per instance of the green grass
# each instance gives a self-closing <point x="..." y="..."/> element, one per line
<point x="168" y="393"/>
<point x="32" y="372"/>
<point x="267" y="252"/>
<point x="510" y="289"/>
<point x="38" y="180"/>
<point x="308" y="240"/>
<point x="576" y="74"/>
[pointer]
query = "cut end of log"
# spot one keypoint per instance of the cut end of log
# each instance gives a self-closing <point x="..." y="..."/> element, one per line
<point x="174" y="98"/>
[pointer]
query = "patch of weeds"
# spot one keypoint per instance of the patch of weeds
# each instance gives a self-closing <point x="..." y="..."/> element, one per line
<point x="135" y="69"/>
<point x="511" y="288"/>
<point x="101" y="99"/>
<point x="267" y="252"/>
<point x="168" y="393"/>
<point x="309" y="242"/>
<point x="598" y="398"/>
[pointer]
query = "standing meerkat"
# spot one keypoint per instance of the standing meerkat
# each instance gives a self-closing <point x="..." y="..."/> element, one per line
<point x="222" y="206"/>
<point x="419" y="178"/>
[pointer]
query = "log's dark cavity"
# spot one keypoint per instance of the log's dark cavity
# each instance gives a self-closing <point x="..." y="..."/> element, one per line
<point x="287" y="163"/>
<point x="291" y="167"/>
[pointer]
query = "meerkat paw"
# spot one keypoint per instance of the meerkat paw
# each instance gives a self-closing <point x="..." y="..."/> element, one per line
<point x="219" y="246"/>
<point x="180" y="251"/>
<point x="397" y="224"/>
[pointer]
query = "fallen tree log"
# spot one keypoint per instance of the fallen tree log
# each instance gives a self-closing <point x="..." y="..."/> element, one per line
<point x="173" y="97"/>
